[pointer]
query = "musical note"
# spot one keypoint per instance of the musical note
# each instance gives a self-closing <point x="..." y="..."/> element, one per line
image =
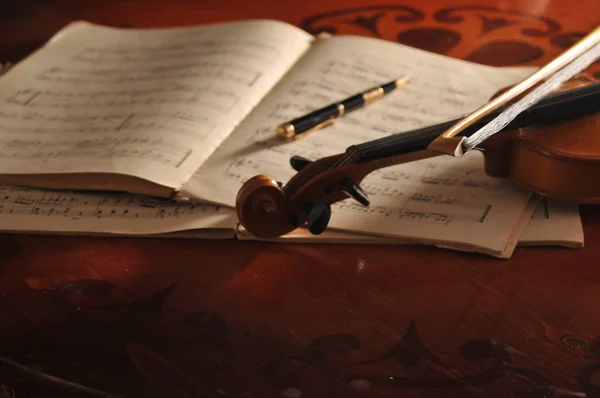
<point x="77" y="206"/>
<point x="123" y="76"/>
<point x="220" y="100"/>
<point x="437" y="218"/>
<point x="382" y="211"/>
<point x="244" y="168"/>
<point x="435" y="207"/>
<point x="155" y="150"/>
<point x="396" y="175"/>
<point x="192" y="50"/>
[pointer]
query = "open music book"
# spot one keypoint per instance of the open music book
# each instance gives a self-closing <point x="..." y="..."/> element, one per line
<point x="190" y="113"/>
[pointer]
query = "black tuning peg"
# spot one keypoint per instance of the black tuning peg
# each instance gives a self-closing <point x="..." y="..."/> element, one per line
<point x="318" y="218"/>
<point x="280" y="184"/>
<point x="298" y="162"/>
<point x="354" y="191"/>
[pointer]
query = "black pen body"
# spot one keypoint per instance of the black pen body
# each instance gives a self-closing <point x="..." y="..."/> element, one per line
<point x="316" y="118"/>
<point x="312" y="120"/>
<point x="354" y="102"/>
<point x="321" y="117"/>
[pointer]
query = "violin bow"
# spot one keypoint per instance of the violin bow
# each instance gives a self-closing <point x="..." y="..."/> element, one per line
<point x="577" y="58"/>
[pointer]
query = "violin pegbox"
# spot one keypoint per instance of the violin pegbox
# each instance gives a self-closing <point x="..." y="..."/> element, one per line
<point x="268" y="210"/>
<point x="298" y="162"/>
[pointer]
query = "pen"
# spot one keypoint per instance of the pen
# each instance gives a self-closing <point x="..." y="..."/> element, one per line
<point x="325" y="116"/>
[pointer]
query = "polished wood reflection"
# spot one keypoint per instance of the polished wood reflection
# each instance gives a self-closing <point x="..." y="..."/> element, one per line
<point x="98" y="317"/>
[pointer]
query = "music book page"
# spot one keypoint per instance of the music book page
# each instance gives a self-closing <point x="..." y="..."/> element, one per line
<point x="443" y="199"/>
<point x="552" y="224"/>
<point x="25" y="209"/>
<point x="147" y="103"/>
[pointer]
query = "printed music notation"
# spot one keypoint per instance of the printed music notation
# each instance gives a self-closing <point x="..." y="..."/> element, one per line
<point x="442" y="209"/>
<point x="470" y="177"/>
<point x="354" y="68"/>
<point x="155" y="150"/>
<point x="231" y="74"/>
<point x="355" y="209"/>
<point x="428" y="217"/>
<point x="420" y="207"/>
<point x="184" y="90"/>
<point x="190" y="50"/>
<point x="245" y="168"/>
<point x="19" y="201"/>
<point x="182" y="123"/>
<point x="396" y="175"/>
<point x="284" y="110"/>
<point x="435" y="191"/>
<point x="402" y="214"/>
<point x="221" y="100"/>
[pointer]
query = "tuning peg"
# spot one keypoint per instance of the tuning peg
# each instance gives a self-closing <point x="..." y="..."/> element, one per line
<point x="318" y="218"/>
<point x="280" y="184"/>
<point x="356" y="192"/>
<point x="298" y="162"/>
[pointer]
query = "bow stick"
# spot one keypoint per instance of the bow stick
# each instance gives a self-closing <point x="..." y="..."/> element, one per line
<point x="568" y="64"/>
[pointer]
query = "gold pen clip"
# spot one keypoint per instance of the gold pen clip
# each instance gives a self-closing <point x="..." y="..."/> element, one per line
<point x="287" y="130"/>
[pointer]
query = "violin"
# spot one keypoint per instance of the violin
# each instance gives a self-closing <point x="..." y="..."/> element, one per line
<point x="551" y="148"/>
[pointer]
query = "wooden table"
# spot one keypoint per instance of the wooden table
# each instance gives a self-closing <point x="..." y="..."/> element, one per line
<point x="83" y="316"/>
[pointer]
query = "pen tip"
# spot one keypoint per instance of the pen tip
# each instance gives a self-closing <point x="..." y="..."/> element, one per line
<point x="401" y="81"/>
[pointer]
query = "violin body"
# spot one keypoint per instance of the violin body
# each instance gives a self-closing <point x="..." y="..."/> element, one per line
<point x="559" y="160"/>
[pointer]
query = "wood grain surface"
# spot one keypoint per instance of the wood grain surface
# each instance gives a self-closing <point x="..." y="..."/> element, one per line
<point x="100" y="317"/>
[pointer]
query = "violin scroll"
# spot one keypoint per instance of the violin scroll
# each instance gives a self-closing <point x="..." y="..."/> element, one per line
<point x="268" y="211"/>
<point x="261" y="207"/>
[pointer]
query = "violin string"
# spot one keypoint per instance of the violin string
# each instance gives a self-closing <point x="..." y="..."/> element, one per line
<point x="393" y="139"/>
<point x="502" y="120"/>
<point x="370" y="147"/>
<point x="348" y="157"/>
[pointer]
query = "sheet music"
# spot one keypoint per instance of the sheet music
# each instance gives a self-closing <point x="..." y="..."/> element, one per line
<point x="553" y="223"/>
<point x="149" y="103"/>
<point x="443" y="198"/>
<point x="40" y="210"/>
<point x="37" y="210"/>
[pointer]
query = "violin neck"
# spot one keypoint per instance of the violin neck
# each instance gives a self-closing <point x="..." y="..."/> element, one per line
<point x="564" y="105"/>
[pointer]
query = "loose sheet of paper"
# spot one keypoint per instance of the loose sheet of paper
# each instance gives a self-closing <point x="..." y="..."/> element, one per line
<point x="25" y="209"/>
<point x="442" y="199"/>
<point x="554" y="223"/>
<point x="148" y="103"/>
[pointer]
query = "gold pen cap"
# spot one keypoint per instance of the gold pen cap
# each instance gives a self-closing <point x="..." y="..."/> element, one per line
<point x="286" y="130"/>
